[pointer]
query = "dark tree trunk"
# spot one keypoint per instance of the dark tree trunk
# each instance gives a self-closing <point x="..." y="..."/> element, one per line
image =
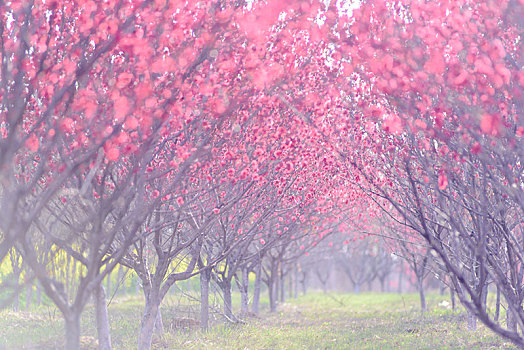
<point x="272" y="295"/>
<point x="255" y="307"/>
<point x="272" y="301"/>
<point x="422" y="294"/>
<point x="244" y="292"/>
<point x="453" y="301"/>
<point x="72" y="332"/>
<point x="102" y="319"/>
<point x="204" y="299"/>
<point x="228" y="302"/>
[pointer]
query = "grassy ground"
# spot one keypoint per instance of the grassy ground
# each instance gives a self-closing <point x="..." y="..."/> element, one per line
<point x="314" y="321"/>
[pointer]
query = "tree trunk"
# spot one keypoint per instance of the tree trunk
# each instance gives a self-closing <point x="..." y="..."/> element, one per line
<point x="295" y="280"/>
<point x="423" y="305"/>
<point x="282" y="287"/>
<point x="255" y="307"/>
<point x="276" y="286"/>
<point x="382" y="285"/>
<point x="290" y="285"/>
<point x="472" y="321"/>
<point x="102" y="319"/>
<point x="159" y="323"/>
<point x="510" y="320"/>
<point x="38" y="293"/>
<point x="72" y="332"/>
<point x="29" y="296"/>
<point x="16" y="302"/>
<point x="453" y="302"/>
<point x="400" y="275"/>
<point x="484" y="297"/>
<point x="356" y="288"/>
<point x="303" y="281"/>
<point x="244" y="293"/>
<point x="204" y="299"/>
<point x="272" y="295"/>
<point x="147" y="326"/>
<point x="324" y="286"/>
<point x="228" y="303"/>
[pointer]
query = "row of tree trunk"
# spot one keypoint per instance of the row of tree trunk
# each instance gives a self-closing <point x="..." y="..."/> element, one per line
<point x="274" y="277"/>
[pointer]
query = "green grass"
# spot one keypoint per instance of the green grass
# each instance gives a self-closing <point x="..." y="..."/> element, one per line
<point x="314" y="321"/>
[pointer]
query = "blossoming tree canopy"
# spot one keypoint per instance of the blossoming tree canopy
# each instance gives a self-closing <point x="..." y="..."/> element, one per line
<point x="134" y="76"/>
<point x="79" y="75"/>
<point x="435" y="62"/>
<point x="115" y="75"/>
